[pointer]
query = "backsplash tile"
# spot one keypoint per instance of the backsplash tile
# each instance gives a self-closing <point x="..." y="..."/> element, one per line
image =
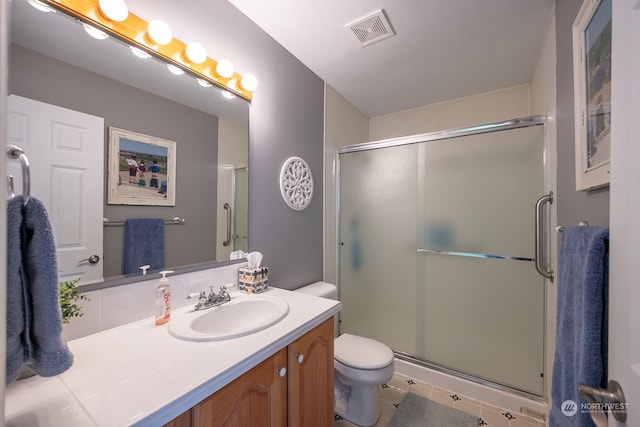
<point x="91" y="320"/>
<point x="126" y="304"/>
<point x="119" y="305"/>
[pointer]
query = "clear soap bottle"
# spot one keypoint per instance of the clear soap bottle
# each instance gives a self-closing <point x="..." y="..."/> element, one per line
<point x="163" y="299"/>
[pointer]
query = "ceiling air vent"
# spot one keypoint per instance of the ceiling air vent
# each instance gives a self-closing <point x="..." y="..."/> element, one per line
<point x="371" y="28"/>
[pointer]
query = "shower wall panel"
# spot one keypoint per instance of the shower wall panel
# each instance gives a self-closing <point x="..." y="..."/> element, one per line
<point x="378" y="217"/>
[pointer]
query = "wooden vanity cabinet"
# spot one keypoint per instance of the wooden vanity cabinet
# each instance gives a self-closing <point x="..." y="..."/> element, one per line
<point x="294" y="388"/>
<point x="257" y="398"/>
<point x="311" y="395"/>
<point x="183" y="420"/>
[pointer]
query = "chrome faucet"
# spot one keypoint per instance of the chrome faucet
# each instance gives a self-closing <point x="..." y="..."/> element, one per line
<point x="207" y="301"/>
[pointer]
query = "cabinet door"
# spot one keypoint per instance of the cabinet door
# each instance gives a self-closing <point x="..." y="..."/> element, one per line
<point x="258" y="398"/>
<point x="183" y="420"/>
<point x="311" y="378"/>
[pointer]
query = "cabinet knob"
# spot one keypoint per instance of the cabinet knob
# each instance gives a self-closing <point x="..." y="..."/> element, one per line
<point x="282" y="372"/>
<point x="300" y="358"/>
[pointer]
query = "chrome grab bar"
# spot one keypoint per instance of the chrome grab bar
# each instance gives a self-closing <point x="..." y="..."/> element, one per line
<point x="176" y="220"/>
<point x="475" y="255"/>
<point x="227" y="207"/>
<point x="539" y="249"/>
<point x="561" y="228"/>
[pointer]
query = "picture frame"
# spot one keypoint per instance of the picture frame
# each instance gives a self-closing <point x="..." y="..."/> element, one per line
<point x="141" y="169"/>
<point x="592" y="94"/>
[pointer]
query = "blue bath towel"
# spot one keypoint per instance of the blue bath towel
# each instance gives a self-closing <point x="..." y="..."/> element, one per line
<point x="143" y="244"/>
<point x="34" y="317"/>
<point x="582" y="322"/>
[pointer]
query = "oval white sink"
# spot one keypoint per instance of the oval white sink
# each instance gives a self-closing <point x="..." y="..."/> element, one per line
<point x="243" y="315"/>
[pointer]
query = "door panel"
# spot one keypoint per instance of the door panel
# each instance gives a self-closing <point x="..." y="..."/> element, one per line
<point x="481" y="290"/>
<point x="624" y="287"/>
<point x="66" y="152"/>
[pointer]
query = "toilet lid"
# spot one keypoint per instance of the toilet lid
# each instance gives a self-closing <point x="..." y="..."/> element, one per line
<point x="361" y="352"/>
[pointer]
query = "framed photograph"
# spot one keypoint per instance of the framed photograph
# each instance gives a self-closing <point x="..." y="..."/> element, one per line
<point x="592" y="92"/>
<point x="142" y="169"/>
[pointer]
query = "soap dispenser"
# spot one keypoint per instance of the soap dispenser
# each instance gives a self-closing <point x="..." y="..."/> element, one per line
<point x="163" y="299"/>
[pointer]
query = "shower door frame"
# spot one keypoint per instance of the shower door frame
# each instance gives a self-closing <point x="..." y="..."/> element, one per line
<point x="548" y="249"/>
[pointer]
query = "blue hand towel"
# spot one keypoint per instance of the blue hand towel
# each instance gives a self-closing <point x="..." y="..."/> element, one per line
<point x="582" y="322"/>
<point x="34" y="317"/>
<point x="15" y="290"/>
<point x="143" y="244"/>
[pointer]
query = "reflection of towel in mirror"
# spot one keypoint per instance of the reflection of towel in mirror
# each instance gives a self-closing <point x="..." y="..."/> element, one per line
<point x="34" y="317"/>
<point x="582" y="322"/>
<point x="143" y="244"/>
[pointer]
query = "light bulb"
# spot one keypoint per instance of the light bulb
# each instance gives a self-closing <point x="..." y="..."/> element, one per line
<point x="159" y="32"/>
<point x="227" y="94"/>
<point x="94" y="32"/>
<point x="249" y="82"/>
<point x="196" y="53"/>
<point x="175" y="70"/>
<point x="139" y="53"/>
<point x="115" y="10"/>
<point x="224" y="68"/>
<point x="203" y="83"/>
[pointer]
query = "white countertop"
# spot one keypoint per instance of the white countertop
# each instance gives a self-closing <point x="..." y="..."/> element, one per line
<point x="138" y="374"/>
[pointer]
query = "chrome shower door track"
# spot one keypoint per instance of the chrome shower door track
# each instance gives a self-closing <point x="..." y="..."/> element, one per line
<point x="469" y="377"/>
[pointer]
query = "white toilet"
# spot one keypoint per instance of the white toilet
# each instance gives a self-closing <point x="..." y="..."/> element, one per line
<point x="361" y="366"/>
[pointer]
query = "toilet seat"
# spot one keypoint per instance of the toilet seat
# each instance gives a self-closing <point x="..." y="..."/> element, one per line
<point x="361" y="353"/>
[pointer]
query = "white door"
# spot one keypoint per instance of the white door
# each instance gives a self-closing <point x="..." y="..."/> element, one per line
<point x="624" y="282"/>
<point x="66" y="151"/>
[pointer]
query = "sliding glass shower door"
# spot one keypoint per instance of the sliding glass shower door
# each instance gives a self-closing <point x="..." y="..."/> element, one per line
<point x="437" y="250"/>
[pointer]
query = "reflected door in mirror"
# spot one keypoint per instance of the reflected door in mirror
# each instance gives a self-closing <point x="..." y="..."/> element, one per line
<point x="66" y="150"/>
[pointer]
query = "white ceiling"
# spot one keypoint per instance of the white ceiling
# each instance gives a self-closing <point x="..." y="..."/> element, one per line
<point x="443" y="49"/>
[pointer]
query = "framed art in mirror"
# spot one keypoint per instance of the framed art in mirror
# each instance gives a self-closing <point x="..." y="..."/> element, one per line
<point x="592" y="93"/>
<point x="142" y="169"/>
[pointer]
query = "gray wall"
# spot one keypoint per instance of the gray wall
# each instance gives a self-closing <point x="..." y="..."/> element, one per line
<point x="282" y="126"/>
<point x="573" y="206"/>
<point x="285" y="119"/>
<point x="42" y="78"/>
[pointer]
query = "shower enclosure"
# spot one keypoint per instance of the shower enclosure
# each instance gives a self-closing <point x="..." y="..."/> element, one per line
<point x="437" y="249"/>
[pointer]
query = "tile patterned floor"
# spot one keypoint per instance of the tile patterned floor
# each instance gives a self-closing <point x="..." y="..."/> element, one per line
<point x="392" y="392"/>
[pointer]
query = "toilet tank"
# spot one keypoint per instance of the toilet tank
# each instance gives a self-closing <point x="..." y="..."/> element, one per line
<point x="323" y="290"/>
<point x="320" y="289"/>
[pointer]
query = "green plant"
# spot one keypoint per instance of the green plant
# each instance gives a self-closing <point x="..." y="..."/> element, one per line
<point x="69" y="297"/>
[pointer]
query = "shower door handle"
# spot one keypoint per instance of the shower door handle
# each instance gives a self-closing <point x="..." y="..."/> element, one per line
<point x="539" y="250"/>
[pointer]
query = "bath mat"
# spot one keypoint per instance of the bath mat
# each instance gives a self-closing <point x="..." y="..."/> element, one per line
<point x="416" y="411"/>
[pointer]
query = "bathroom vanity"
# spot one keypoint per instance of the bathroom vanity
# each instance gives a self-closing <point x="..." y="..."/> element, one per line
<point x="139" y="374"/>
<point x="292" y="387"/>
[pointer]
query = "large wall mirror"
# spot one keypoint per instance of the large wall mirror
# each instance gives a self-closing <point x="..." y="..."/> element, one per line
<point x="54" y="61"/>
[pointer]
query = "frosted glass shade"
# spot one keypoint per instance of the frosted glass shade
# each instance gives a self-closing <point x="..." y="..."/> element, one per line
<point x="159" y="32"/>
<point x="224" y="68"/>
<point x="196" y="53"/>
<point x="249" y="82"/>
<point x="115" y="10"/>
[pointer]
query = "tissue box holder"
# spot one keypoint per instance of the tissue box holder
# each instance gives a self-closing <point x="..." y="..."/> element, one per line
<point x="253" y="280"/>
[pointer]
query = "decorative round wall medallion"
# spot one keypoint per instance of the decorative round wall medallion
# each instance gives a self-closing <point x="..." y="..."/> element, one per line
<point x="296" y="183"/>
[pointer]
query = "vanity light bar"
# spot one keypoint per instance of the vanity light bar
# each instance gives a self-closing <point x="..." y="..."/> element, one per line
<point x="133" y="30"/>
